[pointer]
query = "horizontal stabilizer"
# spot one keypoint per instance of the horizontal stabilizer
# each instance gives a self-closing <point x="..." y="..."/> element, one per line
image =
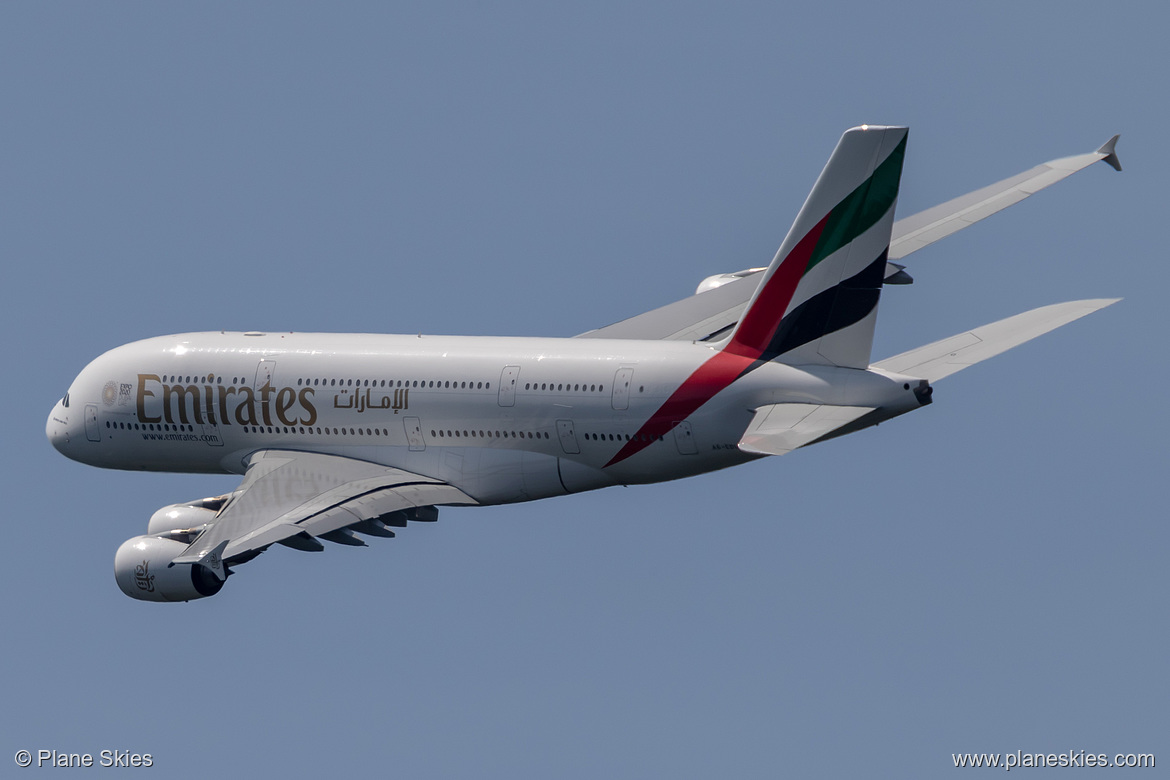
<point x="943" y="358"/>
<point x="778" y="429"/>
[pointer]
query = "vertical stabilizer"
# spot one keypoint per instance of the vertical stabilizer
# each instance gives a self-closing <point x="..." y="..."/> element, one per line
<point x="817" y="302"/>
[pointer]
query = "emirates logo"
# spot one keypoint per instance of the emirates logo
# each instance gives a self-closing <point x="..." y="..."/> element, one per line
<point x="143" y="579"/>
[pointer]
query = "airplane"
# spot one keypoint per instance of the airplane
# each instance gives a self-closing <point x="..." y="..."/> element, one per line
<point x="338" y="435"/>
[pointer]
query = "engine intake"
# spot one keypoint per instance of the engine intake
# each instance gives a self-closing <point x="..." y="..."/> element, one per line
<point x="143" y="571"/>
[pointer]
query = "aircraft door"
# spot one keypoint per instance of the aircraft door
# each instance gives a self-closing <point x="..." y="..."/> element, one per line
<point x="621" y="388"/>
<point x="568" y="437"/>
<point x="211" y="435"/>
<point x="264" y="372"/>
<point x="414" y="434"/>
<point x="508" y="379"/>
<point x="92" y="431"/>
<point x="684" y="438"/>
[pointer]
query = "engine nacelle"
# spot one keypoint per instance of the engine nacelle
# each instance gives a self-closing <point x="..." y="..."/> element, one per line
<point x="718" y="280"/>
<point x="141" y="569"/>
<point x="178" y="517"/>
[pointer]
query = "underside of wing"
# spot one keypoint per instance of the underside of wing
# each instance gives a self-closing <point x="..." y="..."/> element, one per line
<point x="294" y="497"/>
<point x="948" y="356"/>
<point x="778" y="429"/>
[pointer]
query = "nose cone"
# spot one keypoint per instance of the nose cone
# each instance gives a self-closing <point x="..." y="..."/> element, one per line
<point x="57" y="428"/>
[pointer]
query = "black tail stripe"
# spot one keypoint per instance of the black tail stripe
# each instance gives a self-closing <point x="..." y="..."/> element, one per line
<point x="842" y="305"/>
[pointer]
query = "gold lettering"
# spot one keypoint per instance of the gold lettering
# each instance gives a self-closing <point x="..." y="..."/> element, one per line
<point x="180" y="394"/>
<point x="191" y="403"/>
<point x="208" y="393"/>
<point x="264" y="393"/>
<point x="224" y="392"/>
<point x="249" y="405"/>
<point x="284" y="401"/>
<point x="308" y="404"/>
<point x="143" y="394"/>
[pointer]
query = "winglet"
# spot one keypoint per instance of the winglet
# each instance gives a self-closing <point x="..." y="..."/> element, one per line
<point x="1110" y="155"/>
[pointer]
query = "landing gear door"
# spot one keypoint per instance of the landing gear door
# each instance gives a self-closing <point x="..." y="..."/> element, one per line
<point x="684" y="438"/>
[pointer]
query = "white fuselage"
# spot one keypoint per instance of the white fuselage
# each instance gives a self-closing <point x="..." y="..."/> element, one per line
<point x="503" y="419"/>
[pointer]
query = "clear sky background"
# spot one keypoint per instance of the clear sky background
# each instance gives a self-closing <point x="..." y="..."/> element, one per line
<point x="988" y="574"/>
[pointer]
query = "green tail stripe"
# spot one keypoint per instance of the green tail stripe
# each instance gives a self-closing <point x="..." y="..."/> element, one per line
<point x="861" y="208"/>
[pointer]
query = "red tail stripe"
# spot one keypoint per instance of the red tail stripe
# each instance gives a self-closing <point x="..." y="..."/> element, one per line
<point x="760" y="322"/>
<point x="700" y="387"/>
<point x="751" y="338"/>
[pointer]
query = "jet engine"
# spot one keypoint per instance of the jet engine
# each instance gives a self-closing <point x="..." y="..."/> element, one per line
<point x="718" y="280"/>
<point x="187" y="517"/>
<point x="142" y="567"/>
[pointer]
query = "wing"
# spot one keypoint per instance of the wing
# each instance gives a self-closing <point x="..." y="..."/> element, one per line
<point x="706" y="315"/>
<point x="292" y="497"/>
<point x="926" y="227"/>
<point x="709" y="315"/>
<point x="943" y="358"/>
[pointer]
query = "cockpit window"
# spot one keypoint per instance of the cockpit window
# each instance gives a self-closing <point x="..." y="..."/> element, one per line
<point x="65" y="401"/>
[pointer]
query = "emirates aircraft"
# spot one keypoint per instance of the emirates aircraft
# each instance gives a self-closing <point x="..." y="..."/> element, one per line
<point x="339" y="434"/>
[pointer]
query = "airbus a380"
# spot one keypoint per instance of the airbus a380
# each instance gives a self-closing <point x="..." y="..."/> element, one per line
<point x="344" y="434"/>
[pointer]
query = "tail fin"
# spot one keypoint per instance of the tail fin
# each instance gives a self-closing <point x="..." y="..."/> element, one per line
<point x="817" y="302"/>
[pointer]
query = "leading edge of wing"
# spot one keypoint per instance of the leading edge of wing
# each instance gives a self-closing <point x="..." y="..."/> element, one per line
<point x="938" y="222"/>
<point x="693" y="318"/>
<point x="948" y="356"/>
<point x="287" y="492"/>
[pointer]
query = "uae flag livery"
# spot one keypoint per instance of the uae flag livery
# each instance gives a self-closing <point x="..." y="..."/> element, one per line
<point x="817" y="302"/>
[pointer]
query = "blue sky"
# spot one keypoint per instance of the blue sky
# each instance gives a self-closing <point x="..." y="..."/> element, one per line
<point x="986" y="575"/>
